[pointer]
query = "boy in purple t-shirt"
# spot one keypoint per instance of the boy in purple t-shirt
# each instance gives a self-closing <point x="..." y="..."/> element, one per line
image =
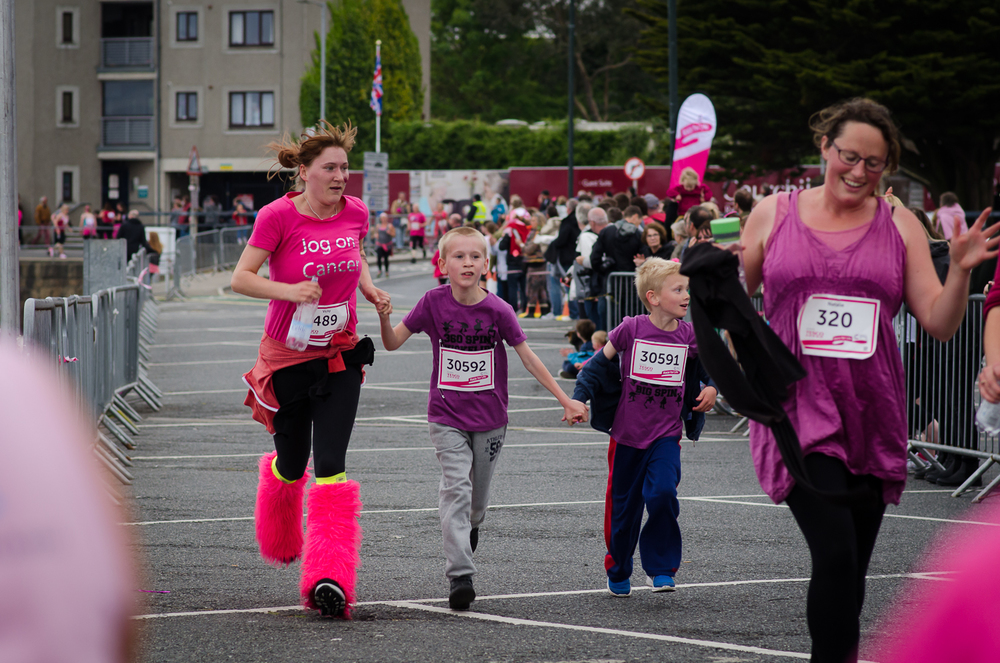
<point x="467" y="403"/>
<point x="646" y="467"/>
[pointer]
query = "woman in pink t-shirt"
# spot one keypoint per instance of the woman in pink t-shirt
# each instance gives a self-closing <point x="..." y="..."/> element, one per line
<point x="317" y="233"/>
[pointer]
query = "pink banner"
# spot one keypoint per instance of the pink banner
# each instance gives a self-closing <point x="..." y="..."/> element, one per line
<point x="695" y="131"/>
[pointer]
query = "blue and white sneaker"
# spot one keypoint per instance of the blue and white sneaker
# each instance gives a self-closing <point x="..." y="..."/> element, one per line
<point x="661" y="583"/>
<point x="621" y="588"/>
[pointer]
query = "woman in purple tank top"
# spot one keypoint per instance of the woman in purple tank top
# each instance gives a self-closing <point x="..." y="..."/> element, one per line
<point x="836" y="262"/>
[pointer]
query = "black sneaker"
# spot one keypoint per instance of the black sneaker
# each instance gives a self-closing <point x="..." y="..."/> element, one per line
<point x="474" y="538"/>
<point x="462" y="594"/>
<point x="328" y="596"/>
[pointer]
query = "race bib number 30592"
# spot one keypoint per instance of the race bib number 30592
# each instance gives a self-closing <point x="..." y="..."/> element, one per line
<point x="658" y="363"/>
<point x="841" y="327"/>
<point x="465" y="371"/>
<point x="329" y="320"/>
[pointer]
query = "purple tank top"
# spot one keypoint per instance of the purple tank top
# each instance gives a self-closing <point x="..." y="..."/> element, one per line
<point x="849" y="409"/>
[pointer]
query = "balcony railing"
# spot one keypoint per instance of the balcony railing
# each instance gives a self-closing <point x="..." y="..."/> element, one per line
<point x="131" y="132"/>
<point x="127" y="52"/>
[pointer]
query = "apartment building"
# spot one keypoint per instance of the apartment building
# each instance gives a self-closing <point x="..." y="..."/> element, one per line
<point x="112" y="96"/>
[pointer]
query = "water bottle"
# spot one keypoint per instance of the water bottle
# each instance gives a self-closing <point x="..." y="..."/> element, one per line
<point x="302" y="323"/>
<point x="726" y="232"/>
<point x="988" y="417"/>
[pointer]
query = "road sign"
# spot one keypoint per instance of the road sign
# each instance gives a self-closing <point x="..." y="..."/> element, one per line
<point x="376" y="181"/>
<point x="194" y="163"/>
<point x="635" y="168"/>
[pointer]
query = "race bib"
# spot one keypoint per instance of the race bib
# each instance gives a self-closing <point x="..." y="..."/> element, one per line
<point x="842" y="327"/>
<point x="658" y="363"/>
<point x="465" y="371"/>
<point x="329" y="320"/>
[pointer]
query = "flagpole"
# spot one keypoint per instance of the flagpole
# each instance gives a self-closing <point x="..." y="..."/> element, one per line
<point x="378" y="116"/>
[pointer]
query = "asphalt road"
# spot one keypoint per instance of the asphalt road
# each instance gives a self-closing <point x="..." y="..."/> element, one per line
<point x="741" y="587"/>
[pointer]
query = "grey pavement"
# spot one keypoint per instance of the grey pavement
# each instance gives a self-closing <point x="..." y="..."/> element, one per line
<point x="541" y="581"/>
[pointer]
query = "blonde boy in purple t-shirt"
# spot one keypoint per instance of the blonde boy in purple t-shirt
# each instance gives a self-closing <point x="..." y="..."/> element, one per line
<point x="467" y="403"/>
<point x="646" y="467"/>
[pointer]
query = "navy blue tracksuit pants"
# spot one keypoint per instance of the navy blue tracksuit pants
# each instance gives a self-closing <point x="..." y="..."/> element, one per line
<point x="645" y="478"/>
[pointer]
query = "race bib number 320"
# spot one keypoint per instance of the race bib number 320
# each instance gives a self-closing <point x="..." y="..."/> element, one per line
<point x="658" y="363"/>
<point x="465" y="371"/>
<point x="841" y="327"/>
<point x="329" y="320"/>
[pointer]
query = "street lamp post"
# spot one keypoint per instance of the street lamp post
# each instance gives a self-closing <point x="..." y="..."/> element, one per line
<point x="322" y="55"/>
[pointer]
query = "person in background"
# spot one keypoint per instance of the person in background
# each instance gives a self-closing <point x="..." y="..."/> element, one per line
<point x="60" y="222"/>
<point x="560" y="256"/>
<point x="120" y="218"/>
<point x="385" y="233"/>
<point x="949" y="212"/>
<point x="544" y="200"/>
<point x="240" y="218"/>
<point x="654" y="244"/>
<point x="43" y="221"/>
<point x="155" y="251"/>
<point x="743" y="200"/>
<point x="134" y="234"/>
<point x="88" y="223"/>
<point x="398" y="204"/>
<point x="212" y="212"/>
<point x="655" y="207"/>
<point x="690" y="191"/>
<point x="417" y="222"/>
<point x="583" y="347"/>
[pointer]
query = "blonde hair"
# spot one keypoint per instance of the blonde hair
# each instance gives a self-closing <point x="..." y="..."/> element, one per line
<point x="651" y="275"/>
<point x="312" y="142"/>
<point x="689" y="174"/>
<point x="599" y="339"/>
<point x="465" y="231"/>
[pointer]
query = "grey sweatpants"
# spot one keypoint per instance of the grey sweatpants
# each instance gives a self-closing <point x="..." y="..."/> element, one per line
<point x="467" y="461"/>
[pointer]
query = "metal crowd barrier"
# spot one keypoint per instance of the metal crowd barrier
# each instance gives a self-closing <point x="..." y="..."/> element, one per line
<point x="211" y="251"/>
<point x="100" y="344"/>
<point x="941" y="391"/>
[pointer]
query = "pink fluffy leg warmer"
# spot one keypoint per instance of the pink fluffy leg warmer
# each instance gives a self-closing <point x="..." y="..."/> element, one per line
<point x="333" y="539"/>
<point x="278" y="515"/>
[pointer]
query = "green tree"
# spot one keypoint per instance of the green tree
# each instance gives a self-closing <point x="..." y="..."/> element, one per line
<point x="768" y="65"/>
<point x="355" y="25"/>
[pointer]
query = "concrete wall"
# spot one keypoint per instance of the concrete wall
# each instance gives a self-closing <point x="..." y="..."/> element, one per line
<point x="45" y="277"/>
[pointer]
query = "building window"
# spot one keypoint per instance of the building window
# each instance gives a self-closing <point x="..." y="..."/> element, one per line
<point x="66" y="191"/>
<point x="187" y="26"/>
<point x="67" y="108"/>
<point x="187" y="106"/>
<point x="67" y="27"/>
<point x="251" y="109"/>
<point x="254" y="28"/>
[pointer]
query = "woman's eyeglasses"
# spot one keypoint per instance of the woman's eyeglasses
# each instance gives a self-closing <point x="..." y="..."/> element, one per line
<point x="849" y="158"/>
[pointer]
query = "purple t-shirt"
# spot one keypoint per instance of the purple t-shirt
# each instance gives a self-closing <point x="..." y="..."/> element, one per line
<point x="650" y="406"/>
<point x="470" y="393"/>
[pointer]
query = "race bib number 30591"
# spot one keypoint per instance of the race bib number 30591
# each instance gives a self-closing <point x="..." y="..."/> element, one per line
<point x="465" y="371"/>
<point x="841" y="327"/>
<point x="329" y="320"/>
<point x="658" y="363"/>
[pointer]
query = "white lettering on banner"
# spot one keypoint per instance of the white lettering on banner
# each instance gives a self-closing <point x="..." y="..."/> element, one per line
<point x="658" y="363"/>
<point x="604" y="184"/>
<point x="840" y="327"/>
<point x="329" y="320"/>
<point x="465" y="371"/>
<point x="311" y="269"/>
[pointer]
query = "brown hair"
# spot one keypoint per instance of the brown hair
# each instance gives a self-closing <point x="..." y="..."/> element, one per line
<point x="932" y="233"/>
<point x="585" y="328"/>
<point x="154" y="243"/>
<point x="948" y="199"/>
<point x="621" y="199"/>
<point x="312" y="142"/>
<point x="830" y="122"/>
<point x="660" y="230"/>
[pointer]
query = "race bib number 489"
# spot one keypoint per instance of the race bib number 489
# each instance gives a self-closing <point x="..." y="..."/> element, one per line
<point x="329" y="320"/>
<point x="658" y="363"/>
<point x="841" y="327"/>
<point x="465" y="371"/>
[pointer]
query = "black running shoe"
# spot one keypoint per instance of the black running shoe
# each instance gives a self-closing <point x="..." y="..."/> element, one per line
<point x="462" y="594"/>
<point x="474" y="538"/>
<point x="328" y="596"/>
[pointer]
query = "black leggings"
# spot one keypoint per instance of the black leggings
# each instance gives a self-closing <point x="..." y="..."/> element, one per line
<point x="380" y="255"/>
<point x="313" y="402"/>
<point x="841" y="540"/>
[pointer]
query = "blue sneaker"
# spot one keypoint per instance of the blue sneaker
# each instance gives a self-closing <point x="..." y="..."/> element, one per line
<point x="621" y="588"/>
<point x="661" y="583"/>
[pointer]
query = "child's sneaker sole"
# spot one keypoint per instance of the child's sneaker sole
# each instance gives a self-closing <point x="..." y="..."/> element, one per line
<point x="328" y="596"/>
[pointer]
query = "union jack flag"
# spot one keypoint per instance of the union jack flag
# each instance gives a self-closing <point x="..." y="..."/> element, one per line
<point x="376" y="101"/>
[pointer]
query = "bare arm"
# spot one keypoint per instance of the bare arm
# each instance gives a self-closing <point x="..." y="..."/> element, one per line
<point x="754" y="239"/>
<point x="392" y="337"/>
<point x="573" y="411"/>
<point x="247" y="282"/>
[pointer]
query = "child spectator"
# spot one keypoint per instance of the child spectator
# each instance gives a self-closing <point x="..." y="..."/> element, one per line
<point x="599" y="340"/>
<point x="467" y="403"/>
<point x="584" y="332"/>
<point x="658" y="362"/>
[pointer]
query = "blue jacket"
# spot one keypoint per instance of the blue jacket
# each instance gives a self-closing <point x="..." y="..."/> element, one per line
<point x="600" y="383"/>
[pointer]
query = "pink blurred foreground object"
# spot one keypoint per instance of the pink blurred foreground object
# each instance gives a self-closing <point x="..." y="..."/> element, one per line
<point x="65" y="576"/>
<point x="954" y="619"/>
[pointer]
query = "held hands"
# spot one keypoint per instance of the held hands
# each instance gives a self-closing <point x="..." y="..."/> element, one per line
<point x="989" y="383"/>
<point x="971" y="248"/>
<point x="304" y="291"/>
<point x="380" y="298"/>
<point x="574" y="412"/>
<point x="706" y="399"/>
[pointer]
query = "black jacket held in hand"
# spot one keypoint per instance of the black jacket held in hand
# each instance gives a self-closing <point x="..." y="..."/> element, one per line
<point x="757" y="385"/>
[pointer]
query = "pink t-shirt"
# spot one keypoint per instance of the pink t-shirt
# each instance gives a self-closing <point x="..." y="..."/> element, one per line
<point x="946" y="219"/>
<point x="417" y="221"/>
<point x="303" y="247"/>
